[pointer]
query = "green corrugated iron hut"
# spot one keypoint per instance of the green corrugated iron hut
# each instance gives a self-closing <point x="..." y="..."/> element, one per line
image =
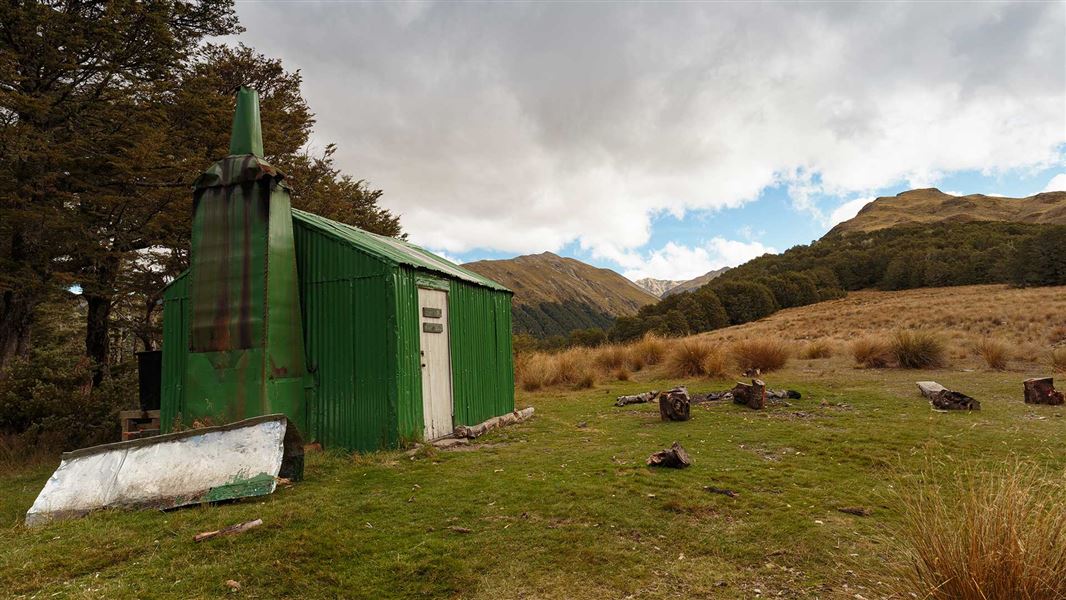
<point x="362" y="340"/>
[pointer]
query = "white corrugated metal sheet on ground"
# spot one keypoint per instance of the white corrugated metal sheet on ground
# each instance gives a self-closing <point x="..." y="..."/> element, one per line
<point x="189" y="467"/>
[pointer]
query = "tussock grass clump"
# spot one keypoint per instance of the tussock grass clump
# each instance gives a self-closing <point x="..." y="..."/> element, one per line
<point x="695" y="358"/>
<point x="1057" y="358"/>
<point x="994" y="352"/>
<point x="621" y="375"/>
<point x="918" y="350"/>
<point x="532" y="370"/>
<point x="573" y="367"/>
<point x="649" y="351"/>
<point x="764" y="354"/>
<point x="871" y="352"/>
<point x="612" y="357"/>
<point x="984" y="536"/>
<point x="817" y="349"/>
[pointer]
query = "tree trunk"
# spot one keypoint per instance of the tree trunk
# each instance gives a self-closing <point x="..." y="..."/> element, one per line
<point x="99" y="294"/>
<point x="16" y="316"/>
<point x="97" y="334"/>
<point x="17" y="305"/>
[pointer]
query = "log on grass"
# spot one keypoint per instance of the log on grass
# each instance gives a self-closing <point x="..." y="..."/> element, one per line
<point x="637" y="398"/>
<point x="944" y="399"/>
<point x="674" y="405"/>
<point x="1041" y="390"/>
<point x="473" y="431"/>
<point x="673" y="457"/>
<point x="751" y="395"/>
<point x="232" y="529"/>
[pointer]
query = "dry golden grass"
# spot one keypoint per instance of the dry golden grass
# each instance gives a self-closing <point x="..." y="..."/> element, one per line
<point x="817" y="349"/>
<point x="984" y="536"/>
<point x="986" y="324"/>
<point x="763" y="354"/>
<point x="966" y="313"/>
<point x="649" y="351"/>
<point x="1057" y="359"/>
<point x="573" y="367"/>
<point x="918" y="350"/>
<point x="694" y="357"/>
<point x="995" y="353"/>
<point x="612" y="357"/>
<point x="871" y="352"/>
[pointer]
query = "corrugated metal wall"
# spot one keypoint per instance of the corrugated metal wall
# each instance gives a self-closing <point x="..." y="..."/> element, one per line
<point x="345" y="298"/>
<point x="361" y="332"/>
<point x="405" y="354"/>
<point x="482" y="363"/>
<point x="175" y="350"/>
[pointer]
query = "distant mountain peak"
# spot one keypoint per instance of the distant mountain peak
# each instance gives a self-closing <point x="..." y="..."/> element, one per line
<point x="695" y="283"/>
<point x="657" y="287"/>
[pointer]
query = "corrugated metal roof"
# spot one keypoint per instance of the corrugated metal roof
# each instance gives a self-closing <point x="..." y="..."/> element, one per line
<point x="393" y="250"/>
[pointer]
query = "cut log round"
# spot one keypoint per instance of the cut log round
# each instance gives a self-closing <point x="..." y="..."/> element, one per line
<point x="673" y="457"/>
<point x="1041" y="390"/>
<point x="674" y="405"/>
<point x="752" y="396"/>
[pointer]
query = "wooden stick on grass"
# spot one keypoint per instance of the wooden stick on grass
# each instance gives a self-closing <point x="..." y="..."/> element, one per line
<point x="232" y="529"/>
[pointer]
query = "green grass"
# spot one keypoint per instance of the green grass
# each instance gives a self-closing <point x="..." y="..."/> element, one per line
<point x="559" y="511"/>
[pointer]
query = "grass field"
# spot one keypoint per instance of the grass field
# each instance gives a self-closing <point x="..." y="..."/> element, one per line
<point x="548" y="509"/>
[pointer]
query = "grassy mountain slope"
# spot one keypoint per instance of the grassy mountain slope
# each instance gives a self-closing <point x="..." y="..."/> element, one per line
<point x="555" y="295"/>
<point x="933" y="206"/>
<point x="695" y="283"/>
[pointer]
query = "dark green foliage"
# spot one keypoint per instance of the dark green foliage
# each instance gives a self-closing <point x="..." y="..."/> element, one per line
<point x="714" y="314"/>
<point x="557" y="318"/>
<point x="589" y="338"/>
<point x="1040" y="259"/>
<point x="47" y="402"/>
<point x="745" y="300"/>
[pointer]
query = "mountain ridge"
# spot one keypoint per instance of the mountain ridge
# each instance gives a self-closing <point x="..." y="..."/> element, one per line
<point x="930" y="205"/>
<point x="554" y="295"/>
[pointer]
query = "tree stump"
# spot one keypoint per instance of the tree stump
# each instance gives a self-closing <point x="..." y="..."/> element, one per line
<point x="752" y="396"/>
<point x="1041" y="390"/>
<point x="674" y="404"/>
<point x="673" y="457"/>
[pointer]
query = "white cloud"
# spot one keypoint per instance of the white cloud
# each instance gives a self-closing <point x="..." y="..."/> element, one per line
<point x="446" y="256"/>
<point x="1057" y="183"/>
<point x="679" y="262"/>
<point x="524" y="127"/>
<point x="848" y="210"/>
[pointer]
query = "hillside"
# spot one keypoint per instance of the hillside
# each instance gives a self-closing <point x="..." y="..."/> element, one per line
<point x="962" y="315"/>
<point x="554" y="295"/>
<point x="695" y="283"/>
<point x="933" y="206"/>
<point x="657" y="287"/>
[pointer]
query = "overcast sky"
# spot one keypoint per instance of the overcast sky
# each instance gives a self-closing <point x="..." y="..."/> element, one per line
<point x="668" y="139"/>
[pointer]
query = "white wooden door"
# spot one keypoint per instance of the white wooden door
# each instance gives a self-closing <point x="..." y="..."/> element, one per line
<point x="436" y="363"/>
